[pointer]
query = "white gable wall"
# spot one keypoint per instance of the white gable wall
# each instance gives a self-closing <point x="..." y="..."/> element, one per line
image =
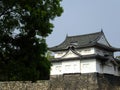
<point x="86" y="51"/>
<point x="103" y="41"/>
<point x="70" y="54"/>
<point x="59" y="54"/>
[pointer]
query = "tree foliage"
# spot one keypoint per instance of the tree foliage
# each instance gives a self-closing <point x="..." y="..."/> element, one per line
<point x="24" y="24"/>
<point x="49" y="55"/>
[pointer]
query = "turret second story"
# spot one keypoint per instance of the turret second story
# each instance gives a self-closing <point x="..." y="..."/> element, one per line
<point x="84" y="45"/>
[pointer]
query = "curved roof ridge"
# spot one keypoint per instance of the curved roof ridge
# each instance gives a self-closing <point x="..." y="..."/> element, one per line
<point x="59" y="44"/>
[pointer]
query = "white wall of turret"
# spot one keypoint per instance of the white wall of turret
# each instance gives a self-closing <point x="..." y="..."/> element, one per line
<point x="82" y="66"/>
<point x="74" y="66"/>
<point x="86" y="65"/>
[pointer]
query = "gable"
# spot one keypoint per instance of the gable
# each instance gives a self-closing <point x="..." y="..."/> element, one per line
<point x="69" y="55"/>
<point x="102" y="40"/>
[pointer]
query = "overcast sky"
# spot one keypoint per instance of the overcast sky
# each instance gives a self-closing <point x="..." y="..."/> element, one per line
<point x="87" y="16"/>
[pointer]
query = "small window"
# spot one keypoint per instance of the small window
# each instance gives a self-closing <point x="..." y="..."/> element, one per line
<point x="86" y="65"/>
<point x="58" y="68"/>
<point x="67" y="67"/>
<point x="87" y="50"/>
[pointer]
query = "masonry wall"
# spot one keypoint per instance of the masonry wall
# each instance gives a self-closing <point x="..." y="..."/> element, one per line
<point x="78" y="81"/>
<point x="27" y="85"/>
<point x="74" y="82"/>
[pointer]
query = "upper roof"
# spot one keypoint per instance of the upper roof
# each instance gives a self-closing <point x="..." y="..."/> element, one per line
<point x="83" y="41"/>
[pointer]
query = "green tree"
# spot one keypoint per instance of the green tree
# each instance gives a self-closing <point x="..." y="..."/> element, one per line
<point x="49" y="55"/>
<point x="24" y="24"/>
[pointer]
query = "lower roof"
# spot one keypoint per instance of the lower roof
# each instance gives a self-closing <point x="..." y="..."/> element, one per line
<point x="103" y="59"/>
<point x="93" y="56"/>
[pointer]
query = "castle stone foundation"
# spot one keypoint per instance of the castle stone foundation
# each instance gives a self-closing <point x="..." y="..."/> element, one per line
<point x="93" y="81"/>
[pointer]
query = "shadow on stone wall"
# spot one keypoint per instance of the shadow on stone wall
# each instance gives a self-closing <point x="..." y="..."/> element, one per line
<point x="108" y="82"/>
<point x="92" y="81"/>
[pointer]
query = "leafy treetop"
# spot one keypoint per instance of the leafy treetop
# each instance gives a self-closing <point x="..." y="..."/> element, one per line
<point x="24" y="24"/>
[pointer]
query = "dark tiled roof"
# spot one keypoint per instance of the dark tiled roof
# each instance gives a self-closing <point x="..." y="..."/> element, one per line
<point x="81" y="41"/>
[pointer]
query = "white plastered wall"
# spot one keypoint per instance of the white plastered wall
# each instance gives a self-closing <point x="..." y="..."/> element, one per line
<point x="56" y="68"/>
<point x="88" y="66"/>
<point x="86" y="51"/>
<point x="73" y="66"/>
<point x="70" y="54"/>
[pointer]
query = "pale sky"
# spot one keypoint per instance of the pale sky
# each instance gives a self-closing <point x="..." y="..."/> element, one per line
<point x="87" y="16"/>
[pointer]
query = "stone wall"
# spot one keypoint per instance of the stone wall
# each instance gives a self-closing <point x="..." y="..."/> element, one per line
<point x="74" y="82"/>
<point x="78" y="81"/>
<point x="27" y="85"/>
<point x="108" y="82"/>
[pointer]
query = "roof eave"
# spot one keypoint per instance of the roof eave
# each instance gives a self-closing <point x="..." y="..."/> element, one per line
<point x="79" y="47"/>
<point x="113" y="49"/>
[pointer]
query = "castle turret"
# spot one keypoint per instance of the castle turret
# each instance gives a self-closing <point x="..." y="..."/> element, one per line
<point x="89" y="53"/>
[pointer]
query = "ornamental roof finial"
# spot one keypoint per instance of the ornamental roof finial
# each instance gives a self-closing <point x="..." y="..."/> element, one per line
<point x="66" y="35"/>
<point x="102" y="30"/>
